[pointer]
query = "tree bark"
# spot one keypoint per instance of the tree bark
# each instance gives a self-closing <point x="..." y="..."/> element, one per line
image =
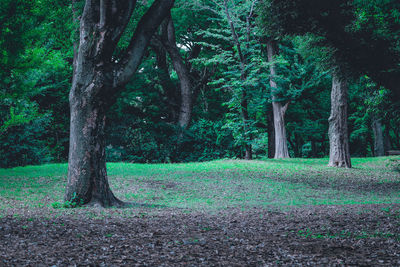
<point x="96" y="81"/>
<point x="169" y="41"/>
<point x="339" y="153"/>
<point x="379" y="145"/>
<point x="279" y="110"/>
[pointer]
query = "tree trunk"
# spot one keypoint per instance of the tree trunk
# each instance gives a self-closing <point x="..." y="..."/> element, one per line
<point x="379" y="146"/>
<point x="243" y="77"/>
<point x="87" y="174"/>
<point x="271" y="135"/>
<point x="313" y="149"/>
<point x="388" y="145"/>
<point x="279" y="110"/>
<point x="96" y="82"/>
<point x="169" y="41"/>
<point x="245" y="117"/>
<point x="281" y="148"/>
<point x="339" y="153"/>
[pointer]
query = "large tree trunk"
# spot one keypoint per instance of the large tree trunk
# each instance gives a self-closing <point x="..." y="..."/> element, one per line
<point x="339" y="153"/>
<point x="96" y="82"/>
<point x="279" y="110"/>
<point x="379" y="145"/>
<point x="87" y="174"/>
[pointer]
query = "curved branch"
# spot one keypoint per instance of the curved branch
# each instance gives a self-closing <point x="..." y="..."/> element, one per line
<point x="147" y="26"/>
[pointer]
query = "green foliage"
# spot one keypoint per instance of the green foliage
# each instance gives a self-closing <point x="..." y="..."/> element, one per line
<point x="36" y="48"/>
<point x="74" y="202"/>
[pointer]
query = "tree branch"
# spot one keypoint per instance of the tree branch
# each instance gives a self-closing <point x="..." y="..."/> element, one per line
<point x="234" y="34"/>
<point x="148" y="24"/>
<point x="121" y="13"/>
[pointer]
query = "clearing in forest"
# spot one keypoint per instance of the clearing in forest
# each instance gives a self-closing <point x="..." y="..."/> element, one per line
<point x="228" y="211"/>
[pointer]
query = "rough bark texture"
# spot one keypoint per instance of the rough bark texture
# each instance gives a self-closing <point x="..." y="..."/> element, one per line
<point x="96" y="81"/>
<point x="339" y="153"/>
<point x="379" y="145"/>
<point x="279" y="110"/>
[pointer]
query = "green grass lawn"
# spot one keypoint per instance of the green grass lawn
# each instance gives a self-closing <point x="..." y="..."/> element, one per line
<point x="215" y="185"/>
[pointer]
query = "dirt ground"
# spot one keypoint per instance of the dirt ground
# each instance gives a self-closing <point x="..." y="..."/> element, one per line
<point x="367" y="235"/>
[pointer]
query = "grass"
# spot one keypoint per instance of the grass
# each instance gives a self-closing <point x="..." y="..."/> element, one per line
<point x="215" y="185"/>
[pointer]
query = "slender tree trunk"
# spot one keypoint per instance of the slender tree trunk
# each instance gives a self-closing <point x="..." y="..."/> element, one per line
<point x="279" y="110"/>
<point x="313" y="149"/>
<point x="379" y="145"/>
<point x="388" y="145"/>
<point x="245" y="117"/>
<point x="271" y="135"/>
<point x="243" y="77"/>
<point x="339" y="153"/>
<point x="169" y="41"/>
<point x="169" y="89"/>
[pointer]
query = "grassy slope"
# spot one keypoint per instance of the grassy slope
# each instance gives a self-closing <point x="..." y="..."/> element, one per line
<point x="215" y="185"/>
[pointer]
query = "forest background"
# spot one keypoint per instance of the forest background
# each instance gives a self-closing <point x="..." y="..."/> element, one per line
<point x="203" y="90"/>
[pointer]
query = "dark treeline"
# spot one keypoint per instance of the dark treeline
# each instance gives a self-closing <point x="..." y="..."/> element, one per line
<point x="218" y="79"/>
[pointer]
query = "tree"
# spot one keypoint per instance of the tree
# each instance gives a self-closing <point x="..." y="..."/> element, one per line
<point x="97" y="80"/>
<point x="363" y="34"/>
<point x="339" y="152"/>
<point x="279" y="109"/>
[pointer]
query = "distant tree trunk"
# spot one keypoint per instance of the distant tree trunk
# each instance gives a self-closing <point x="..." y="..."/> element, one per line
<point x="379" y="146"/>
<point x="243" y="77"/>
<point x="169" y="41"/>
<point x="339" y="153"/>
<point x="313" y="149"/>
<point x="245" y="118"/>
<point x="271" y="135"/>
<point x="279" y="110"/>
<point x="388" y="145"/>
<point x="96" y="81"/>
<point x="169" y="89"/>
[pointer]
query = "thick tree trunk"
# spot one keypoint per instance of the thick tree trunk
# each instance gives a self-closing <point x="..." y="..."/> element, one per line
<point x="279" y="110"/>
<point x="96" y="81"/>
<point x="87" y="174"/>
<point x="379" y="145"/>
<point x="339" y="153"/>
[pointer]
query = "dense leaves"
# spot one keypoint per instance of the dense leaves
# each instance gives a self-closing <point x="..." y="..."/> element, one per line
<point x="362" y="37"/>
